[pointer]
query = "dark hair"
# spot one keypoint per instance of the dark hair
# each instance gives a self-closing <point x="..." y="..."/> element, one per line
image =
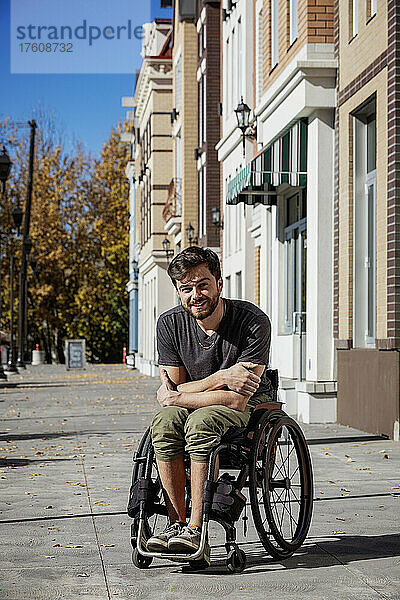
<point x="193" y="257"/>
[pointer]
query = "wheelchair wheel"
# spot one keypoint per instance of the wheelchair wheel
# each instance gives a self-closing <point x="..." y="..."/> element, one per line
<point x="140" y="561"/>
<point x="280" y="485"/>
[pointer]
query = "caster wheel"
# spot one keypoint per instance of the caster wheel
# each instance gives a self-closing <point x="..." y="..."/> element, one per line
<point x="236" y="560"/>
<point x="140" y="561"/>
<point x="198" y="565"/>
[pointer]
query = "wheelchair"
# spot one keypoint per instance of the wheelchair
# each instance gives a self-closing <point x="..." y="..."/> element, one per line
<point x="273" y="473"/>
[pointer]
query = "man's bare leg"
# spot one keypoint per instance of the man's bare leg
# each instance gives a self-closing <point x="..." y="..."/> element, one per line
<point x="173" y="479"/>
<point x="198" y="475"/>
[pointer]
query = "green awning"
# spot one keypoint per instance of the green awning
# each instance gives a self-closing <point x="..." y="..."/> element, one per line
<point x="284" y="161"/>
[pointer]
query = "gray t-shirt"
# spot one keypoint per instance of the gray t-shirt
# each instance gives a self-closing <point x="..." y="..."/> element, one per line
<point x="244" y="335"/>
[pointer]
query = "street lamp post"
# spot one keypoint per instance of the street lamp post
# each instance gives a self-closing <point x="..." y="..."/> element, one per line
<point x="5" y="168"/>
<point x="11" y="367"/>
<point x="26" y="248"/>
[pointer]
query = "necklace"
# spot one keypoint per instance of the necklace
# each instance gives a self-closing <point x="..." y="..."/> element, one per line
<point x="214" y="335"/>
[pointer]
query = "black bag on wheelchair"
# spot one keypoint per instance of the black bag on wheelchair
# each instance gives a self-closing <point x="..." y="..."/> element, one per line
<point x="143" y="490"/>
<point x="227" y="501"/>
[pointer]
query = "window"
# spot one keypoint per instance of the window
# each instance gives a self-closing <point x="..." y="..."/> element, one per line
<point x="202" y="202"/>
<point x="239" y="63"/>
<point x="239" y="285"/>
<point x="204" y="108"/>
<point x="259" y="56"/>
<point x="353" y="18"/>
<point x="200" y="114"/>
<point x="257" y="274"/>
<point x="274" y="32"/>
<point x="227" y="287"/>
<point x="225" y="79"/>
<point x="239" y="220"/>
<point x="371" y="8"/>
<point x="178" y="173"/>
<point x="293" y="21"/>
<point x="233" y="69"/>
<point x="295" y="262"/>
<point x="178" y="84"/>
<point x="228" y="77"/>
<point x="364" y="226"/>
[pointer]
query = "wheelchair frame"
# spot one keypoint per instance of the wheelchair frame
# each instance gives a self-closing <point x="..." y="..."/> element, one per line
<point x="259" y="441"/>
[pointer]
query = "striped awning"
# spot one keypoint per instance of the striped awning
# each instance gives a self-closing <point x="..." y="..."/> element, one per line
<point x="284" y="161"/>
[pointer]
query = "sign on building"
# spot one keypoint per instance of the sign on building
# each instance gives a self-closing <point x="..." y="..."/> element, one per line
<point x="75" y="354"/>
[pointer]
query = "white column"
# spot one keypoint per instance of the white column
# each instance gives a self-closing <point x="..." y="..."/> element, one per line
<point x="320" y="167"/>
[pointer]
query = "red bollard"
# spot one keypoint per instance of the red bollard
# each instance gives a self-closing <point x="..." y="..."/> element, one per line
<point x="124" y="355"/>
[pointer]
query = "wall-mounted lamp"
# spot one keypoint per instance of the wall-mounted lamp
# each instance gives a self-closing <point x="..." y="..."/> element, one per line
<point x="216" y="218"/>
<point x="166" y="244"/>
<point x="190" y="234"/>
<point x="243" y="117"/>
<point x="135" y="270"/>
<point x="197" y="153"/>
<point x="174" y="115"/>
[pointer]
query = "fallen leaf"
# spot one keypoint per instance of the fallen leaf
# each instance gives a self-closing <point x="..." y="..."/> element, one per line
<point x="82" y="575"/>
<point x="49" y="556"/>
<point x="327" y="454"/>
<point x="340" y="519"/>
<point x="102" y="503"/>
<point x="108" y="545"/>
<point x="74" y="546"/>
<point x="112" y="488"/>
<point x="349" y="460"/>
<point x="385" y="456"/>
<point x="337" y="532"/>
<point x="363" y="469"/>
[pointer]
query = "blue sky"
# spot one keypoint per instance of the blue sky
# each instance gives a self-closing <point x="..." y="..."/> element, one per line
<point x="86" y="106"/>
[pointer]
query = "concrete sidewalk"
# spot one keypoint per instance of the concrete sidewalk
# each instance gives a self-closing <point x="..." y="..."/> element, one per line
<point x="67" y="440"/>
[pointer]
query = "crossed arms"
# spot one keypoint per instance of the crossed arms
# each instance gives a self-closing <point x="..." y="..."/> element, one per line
<point x="228" y="387"/>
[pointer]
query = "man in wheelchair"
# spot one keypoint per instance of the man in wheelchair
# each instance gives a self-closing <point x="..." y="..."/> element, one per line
<point x="213" y="353"/>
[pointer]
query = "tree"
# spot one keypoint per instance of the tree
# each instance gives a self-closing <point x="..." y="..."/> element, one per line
<point x="80" y="234"/>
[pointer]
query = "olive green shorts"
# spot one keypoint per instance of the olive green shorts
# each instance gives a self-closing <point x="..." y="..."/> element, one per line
<point x="175" y="430"/>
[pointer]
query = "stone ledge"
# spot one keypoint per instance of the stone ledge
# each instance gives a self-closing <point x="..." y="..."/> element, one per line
<point x="317" y="387"/>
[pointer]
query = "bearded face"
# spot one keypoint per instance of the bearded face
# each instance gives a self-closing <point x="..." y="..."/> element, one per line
<point x="199" y="292"/>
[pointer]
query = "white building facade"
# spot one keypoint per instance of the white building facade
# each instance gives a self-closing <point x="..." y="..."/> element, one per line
<point x="278" y="214"/>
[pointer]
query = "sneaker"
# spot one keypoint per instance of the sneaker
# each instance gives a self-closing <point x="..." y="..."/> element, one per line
<point x="159" y="543"/>
<point x="188" y="541"/>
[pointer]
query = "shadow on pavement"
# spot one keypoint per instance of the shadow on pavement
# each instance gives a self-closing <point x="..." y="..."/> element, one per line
<point x="23" y="462"/>
<point x="316" y="554"/>
<point x="12" y="437"/>
<point x="346" y="440"/>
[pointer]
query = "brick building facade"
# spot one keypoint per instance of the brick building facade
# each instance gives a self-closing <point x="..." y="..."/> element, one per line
<point x="366" y="259"/>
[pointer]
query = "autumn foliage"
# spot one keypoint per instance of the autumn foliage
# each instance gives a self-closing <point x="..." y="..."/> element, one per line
<point x="80" y="234"/>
